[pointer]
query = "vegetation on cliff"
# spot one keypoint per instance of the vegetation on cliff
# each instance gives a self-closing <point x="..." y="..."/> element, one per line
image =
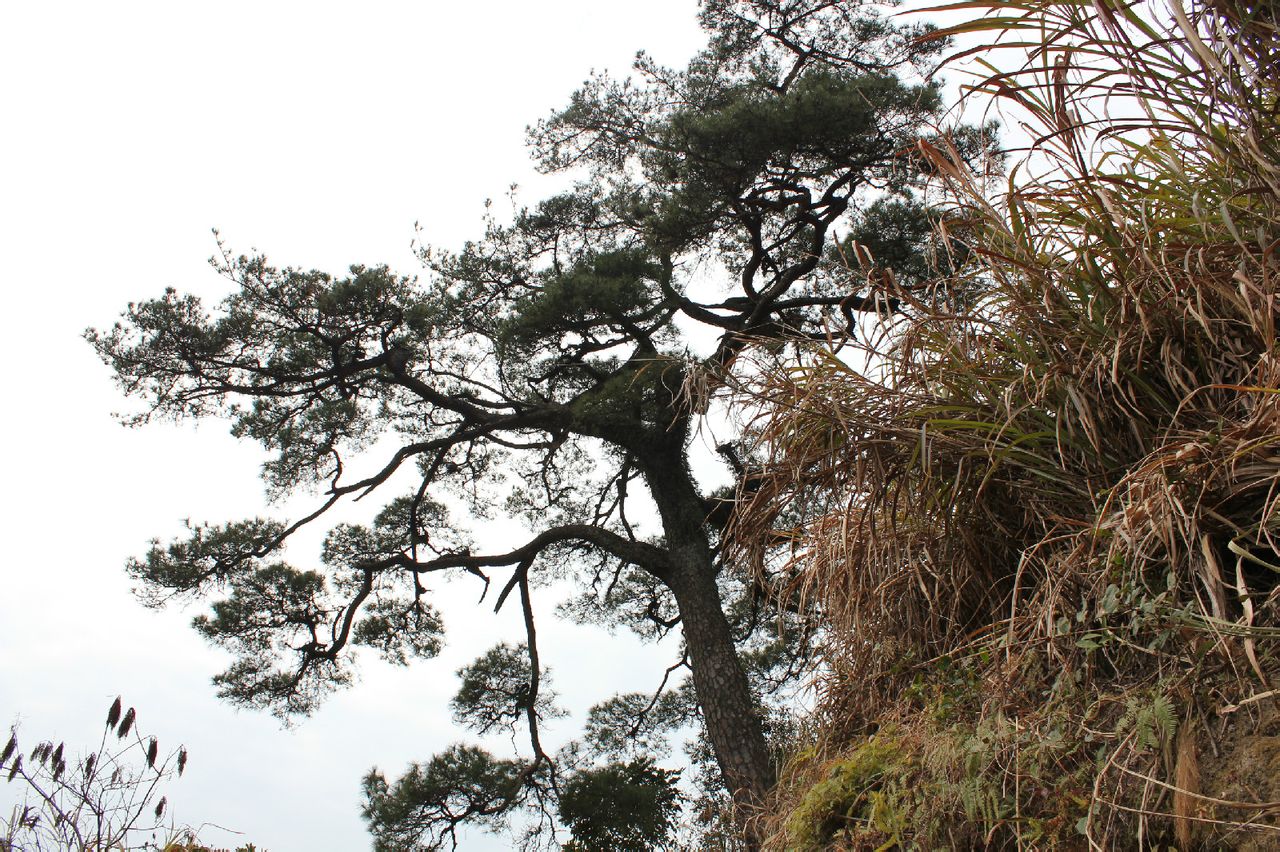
<point x="1037" y="506"/>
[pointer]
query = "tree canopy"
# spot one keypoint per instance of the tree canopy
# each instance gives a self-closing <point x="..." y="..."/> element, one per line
<point x="549" y="367"/>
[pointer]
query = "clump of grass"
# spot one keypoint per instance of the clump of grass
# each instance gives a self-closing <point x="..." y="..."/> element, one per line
<point x="1058" y="469"/>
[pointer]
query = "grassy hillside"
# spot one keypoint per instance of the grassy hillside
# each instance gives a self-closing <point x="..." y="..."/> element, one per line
<point x="1041" y="523"/>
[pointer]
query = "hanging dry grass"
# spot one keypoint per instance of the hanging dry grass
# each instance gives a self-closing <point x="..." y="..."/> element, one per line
<point x="1043" y="523"/>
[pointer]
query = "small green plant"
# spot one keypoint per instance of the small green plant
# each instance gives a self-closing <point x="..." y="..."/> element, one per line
<point x="1152" y="723"/>
<point x="845" y="794"/>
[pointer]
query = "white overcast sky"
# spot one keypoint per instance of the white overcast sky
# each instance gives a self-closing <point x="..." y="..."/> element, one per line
<point x="318" y="132"/>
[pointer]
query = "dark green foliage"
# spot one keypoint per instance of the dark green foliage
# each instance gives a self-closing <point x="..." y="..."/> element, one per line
<point x="609" y="291"/>
<point x="211" y="555"/>
<point x="898" y="234"/>
<point x="424" y="807"/>
<point x="496" y="691"/>
<point x="635" y="723"/>
<point x="621" y="807"/>
<point x="826" y="122"/>
<point x="843" y="34"/>
<point x="272" y="607"/>
<point x="634" y="599"/>
<point x="400" y="629"/>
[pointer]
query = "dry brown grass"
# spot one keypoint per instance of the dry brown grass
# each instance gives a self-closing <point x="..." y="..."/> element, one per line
<point x="1060" y="473"/>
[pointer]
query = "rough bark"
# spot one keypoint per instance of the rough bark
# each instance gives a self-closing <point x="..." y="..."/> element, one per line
<point x="729" y="711"/>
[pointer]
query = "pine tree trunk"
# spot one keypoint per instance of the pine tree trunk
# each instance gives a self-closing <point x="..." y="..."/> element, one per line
<point x="728" y="710"/>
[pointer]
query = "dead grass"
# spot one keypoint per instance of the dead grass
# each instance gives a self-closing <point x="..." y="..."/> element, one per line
<point x="1061" y="483"/>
